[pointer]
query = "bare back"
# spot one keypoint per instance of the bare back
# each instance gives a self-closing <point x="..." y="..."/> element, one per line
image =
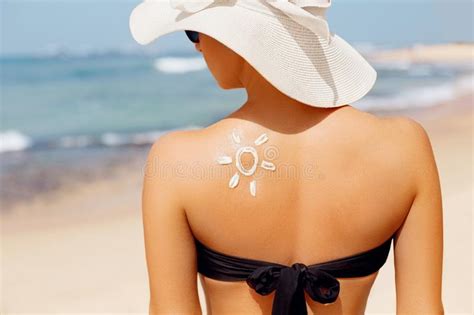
<point x="341" y="186"/>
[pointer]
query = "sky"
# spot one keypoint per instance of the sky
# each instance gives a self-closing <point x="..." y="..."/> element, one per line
<point x="46" y="26"/>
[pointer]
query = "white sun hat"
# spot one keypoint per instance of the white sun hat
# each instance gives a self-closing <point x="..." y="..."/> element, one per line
<point x="287" y="41"/>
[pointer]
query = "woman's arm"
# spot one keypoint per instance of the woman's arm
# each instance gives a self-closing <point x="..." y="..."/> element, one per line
<point x="169" y="243"/>
<point x="418" y="244"/>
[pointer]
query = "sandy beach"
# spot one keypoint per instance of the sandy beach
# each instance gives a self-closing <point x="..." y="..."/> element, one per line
<point x="78" y="247"/>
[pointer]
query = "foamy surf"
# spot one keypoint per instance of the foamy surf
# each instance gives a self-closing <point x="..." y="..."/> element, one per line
<point x="179" y="64"/>
<point x="12" y="140"/>
<point x="420" y="97"/>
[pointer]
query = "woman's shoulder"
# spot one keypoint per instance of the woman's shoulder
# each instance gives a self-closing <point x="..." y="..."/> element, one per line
<point x="183" y="149"/>
<point x="191" y="140"/>
<point x="412" y="142"/>
<point x="406" y="130"/>
<point x="395" y="127"/>
<point x="173" y="144"/>
<point x="399" y="137"/>
<point x="394" y="142"/>
<point x="396" y="131"/>
<point x="404" y="146"/>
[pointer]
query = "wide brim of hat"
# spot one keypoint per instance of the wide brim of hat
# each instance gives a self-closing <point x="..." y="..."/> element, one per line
<point x="299" y="63"/>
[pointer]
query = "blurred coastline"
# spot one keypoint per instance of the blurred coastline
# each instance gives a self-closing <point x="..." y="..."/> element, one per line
<point x="71" y="174"/>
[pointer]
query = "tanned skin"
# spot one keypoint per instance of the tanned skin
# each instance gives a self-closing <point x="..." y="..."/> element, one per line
<point x="346" y="180"/>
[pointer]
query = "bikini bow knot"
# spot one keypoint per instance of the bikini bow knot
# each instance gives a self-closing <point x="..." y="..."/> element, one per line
<point x="290" y="284"/>
<point x="292" y="8"/>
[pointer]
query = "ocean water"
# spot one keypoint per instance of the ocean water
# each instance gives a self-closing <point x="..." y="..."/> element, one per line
<point x="101" y="100"/>
<point x="69" y="118"/>
<point x="118" y="99"/>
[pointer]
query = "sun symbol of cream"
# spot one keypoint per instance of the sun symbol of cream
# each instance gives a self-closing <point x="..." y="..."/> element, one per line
<point x="225" y="159"/>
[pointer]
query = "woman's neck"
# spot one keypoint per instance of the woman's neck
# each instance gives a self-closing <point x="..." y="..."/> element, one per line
<point x="269" y="107"/>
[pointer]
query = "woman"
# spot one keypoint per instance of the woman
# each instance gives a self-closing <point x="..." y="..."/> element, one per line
<point x="289" y="204"/>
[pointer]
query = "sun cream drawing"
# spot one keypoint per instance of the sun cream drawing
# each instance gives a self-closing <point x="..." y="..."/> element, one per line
<point x="241" y="170"/>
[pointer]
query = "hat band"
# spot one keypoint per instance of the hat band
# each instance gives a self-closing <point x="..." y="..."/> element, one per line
<point x="292" y="8"/>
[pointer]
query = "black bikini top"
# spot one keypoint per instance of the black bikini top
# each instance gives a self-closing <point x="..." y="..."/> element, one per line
<point x="318" y="280"/>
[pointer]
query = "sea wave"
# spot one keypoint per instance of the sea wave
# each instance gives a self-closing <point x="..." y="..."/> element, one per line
<point x="179" y="64"/>
<point x="425" y="96"/>
<point x="13" y="140"/>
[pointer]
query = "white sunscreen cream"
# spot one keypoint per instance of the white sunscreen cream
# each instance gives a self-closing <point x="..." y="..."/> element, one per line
<point x="241" y="170"/>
